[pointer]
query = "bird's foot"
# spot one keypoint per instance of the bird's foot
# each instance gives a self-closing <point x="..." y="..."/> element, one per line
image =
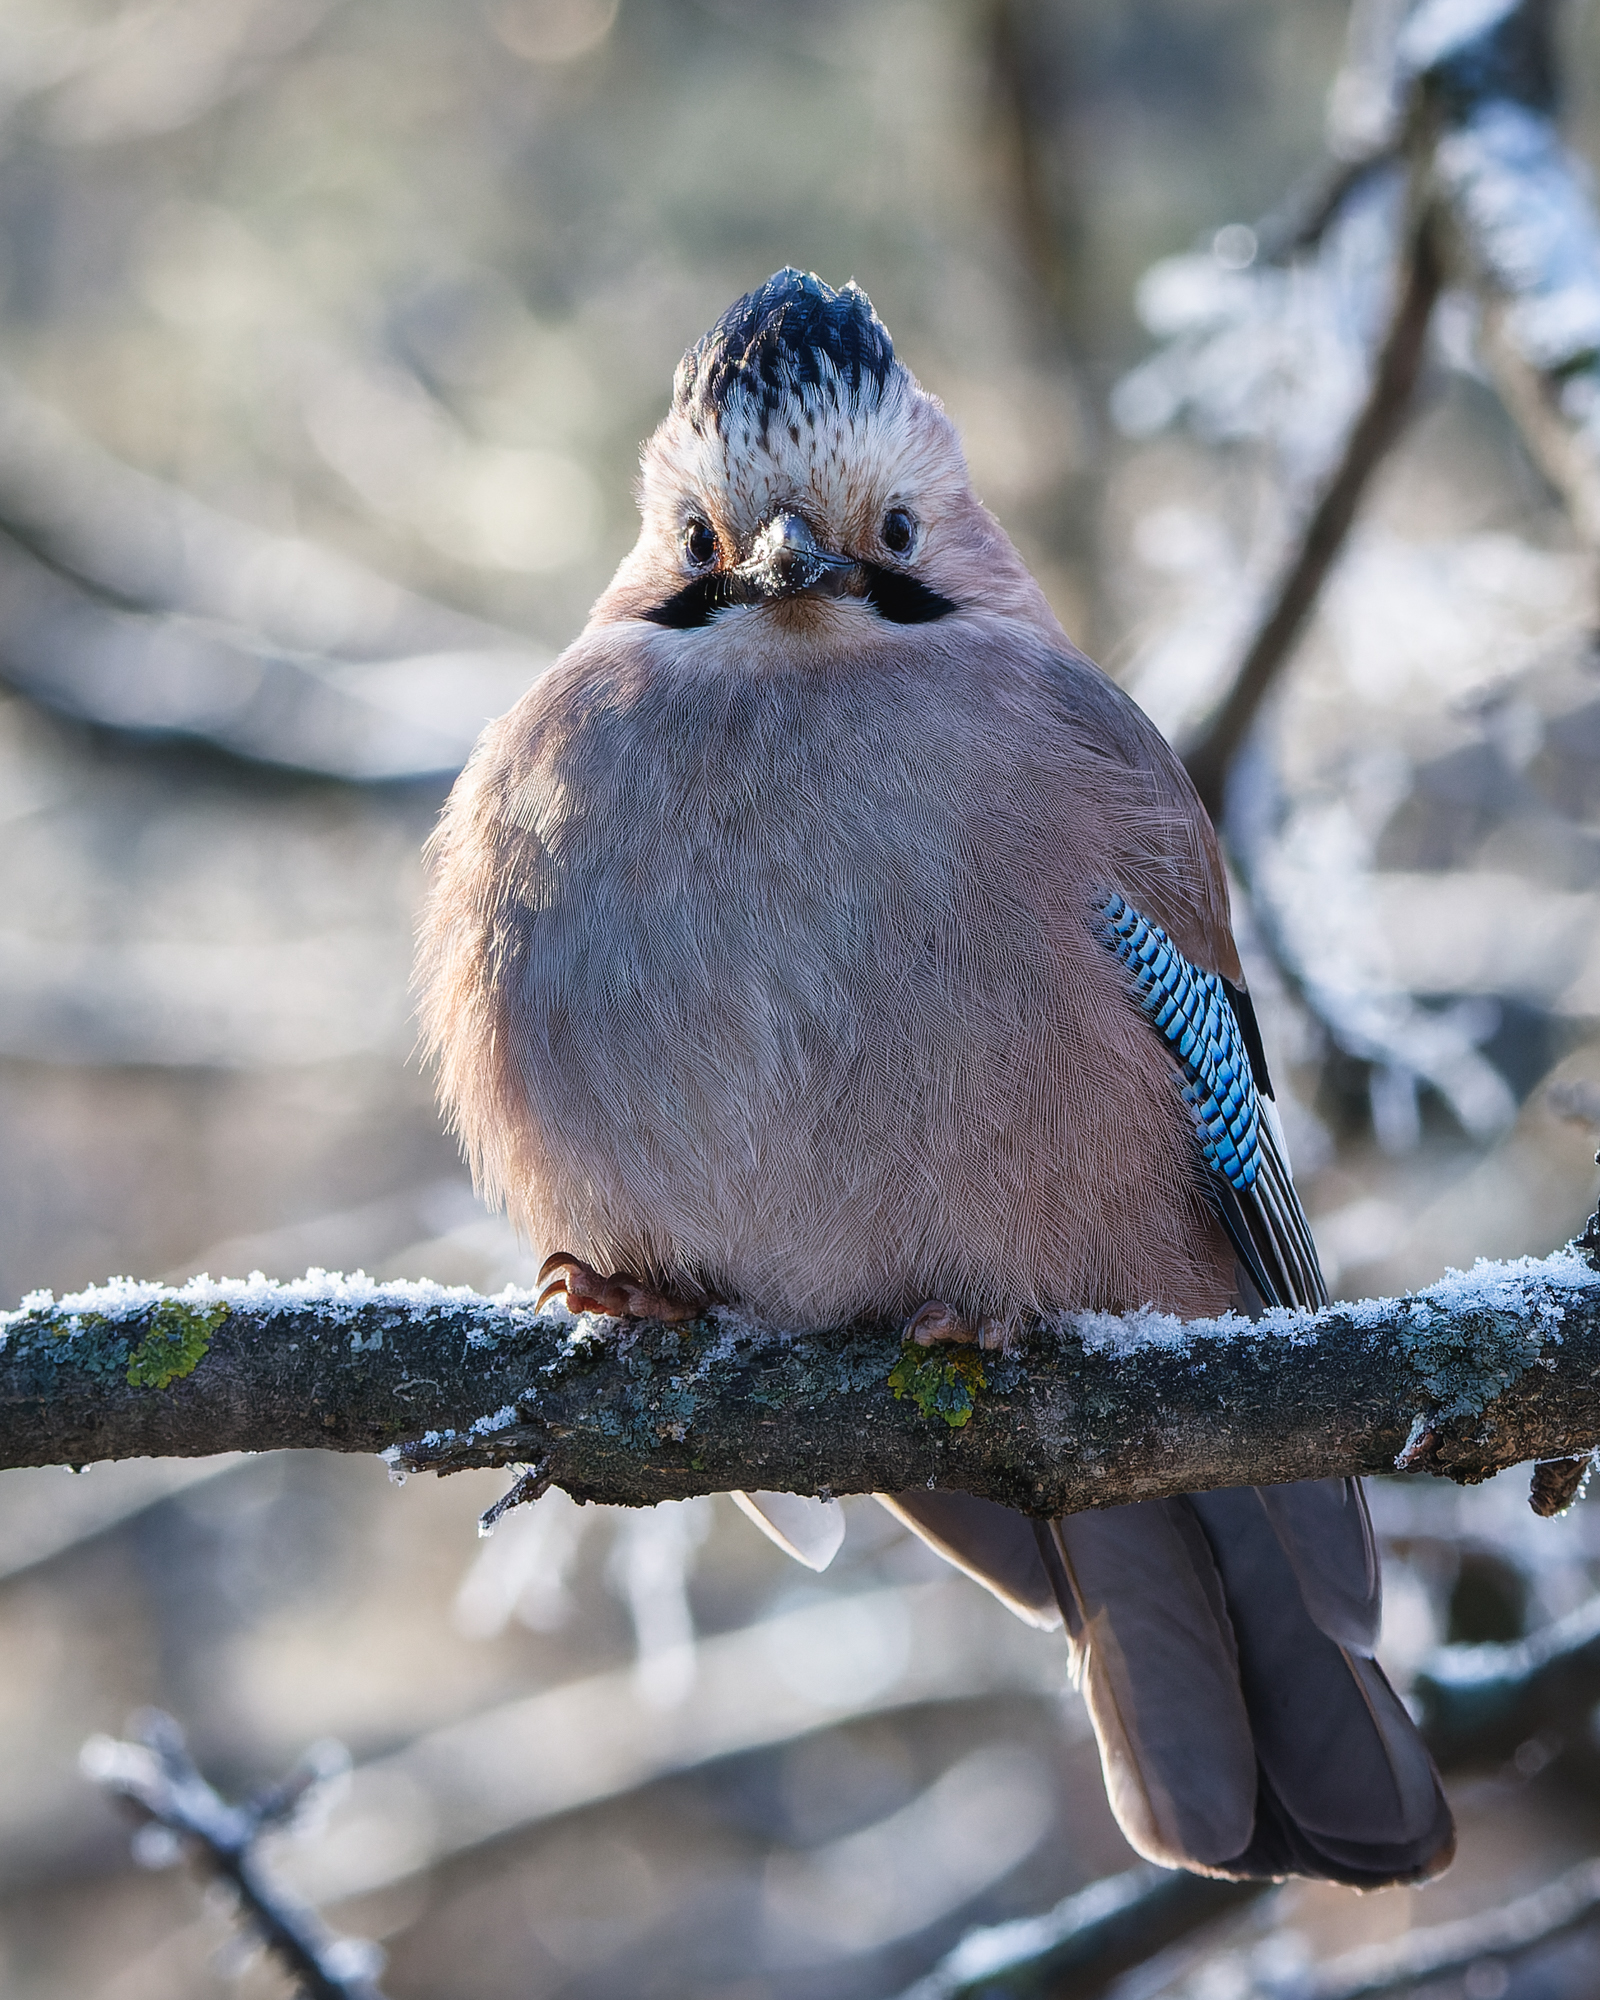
<point x="936" y="1324"/>
<point x="617" y="1296"/>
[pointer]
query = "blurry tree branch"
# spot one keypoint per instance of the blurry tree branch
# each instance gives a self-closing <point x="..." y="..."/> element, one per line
<point x="1479" y="1373"/>
<point x="130" y="603"/>
<point x="1394" y="381"/>
<point x="1398" y="1965"/>
<point x="1082" y="1944"/>
<point x="1085" y="1941"/>
<point x="158" y="1780"/>
<point x="1028" y="53"/>
<point x="1048" y="232"/>
<point x="1496" y="206"/>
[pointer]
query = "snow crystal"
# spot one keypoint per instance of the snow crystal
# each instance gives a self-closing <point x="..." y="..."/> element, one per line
<point x="502" y="1419"/>
<point x="1140" y="1332"/>
<point x="1524" y="1287"/>
<point x="1520" y="1286"/>
<point x="331" y="1295"/>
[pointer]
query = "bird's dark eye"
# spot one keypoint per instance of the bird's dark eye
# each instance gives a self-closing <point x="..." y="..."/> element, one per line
<point x="699" y="544"/>
<point x="899" y="531"/>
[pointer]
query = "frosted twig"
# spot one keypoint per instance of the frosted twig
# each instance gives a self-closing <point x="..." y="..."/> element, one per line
<point x="1493" y="189"/>
<point x="1373" y="433"/>
<point x="1115" y="1923"/>
<point x="1260" y="1972"/>
<point x="156" y="1776"/>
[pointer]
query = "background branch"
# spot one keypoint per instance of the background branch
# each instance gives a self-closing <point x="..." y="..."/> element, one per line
<point x="1478" y="121"/>
<point x="1478" y="1373"/>
<point x="157" y="1778"/>
<point x="1371" y="437"/>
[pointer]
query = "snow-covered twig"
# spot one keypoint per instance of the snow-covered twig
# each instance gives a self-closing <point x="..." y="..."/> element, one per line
<point x="181" y="1813"/>
<point x="1100" y="1931"/>
<point x="1496" y="202"/>
<point x="1269" y="1969"/>
<point x="1374" y="431"/>
<point x="1484" y="1370"/>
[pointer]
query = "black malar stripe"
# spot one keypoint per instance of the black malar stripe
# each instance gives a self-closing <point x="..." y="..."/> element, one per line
<point x="896" y="597"/>
<point x="902" y="599"/>
<point x="694" y="604"/>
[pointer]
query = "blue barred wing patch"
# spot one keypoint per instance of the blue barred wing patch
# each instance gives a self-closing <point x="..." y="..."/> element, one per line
<point x="1192" y="1011"/>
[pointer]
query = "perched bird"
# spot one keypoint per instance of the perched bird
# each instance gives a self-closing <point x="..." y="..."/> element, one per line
<point x="825" y="934"/>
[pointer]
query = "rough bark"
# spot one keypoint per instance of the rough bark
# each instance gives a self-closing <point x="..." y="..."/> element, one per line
<point x="1467" y="1378"/>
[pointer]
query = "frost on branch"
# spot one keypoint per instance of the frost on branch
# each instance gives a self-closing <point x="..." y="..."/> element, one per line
<point x="1486" y="1369"/>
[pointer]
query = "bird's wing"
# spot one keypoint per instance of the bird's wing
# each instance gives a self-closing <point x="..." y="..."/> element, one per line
<point x="1211" y="1029"/>
<point x="1164" y="914"/>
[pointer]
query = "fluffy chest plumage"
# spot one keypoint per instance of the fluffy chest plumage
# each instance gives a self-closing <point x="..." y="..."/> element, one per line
<point x="777" y="870"/>
<point x="788" y="979"/>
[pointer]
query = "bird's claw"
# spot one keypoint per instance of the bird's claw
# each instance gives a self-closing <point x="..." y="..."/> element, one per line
<point x="938" y="1325"/>
<point x="617" y="1296"/>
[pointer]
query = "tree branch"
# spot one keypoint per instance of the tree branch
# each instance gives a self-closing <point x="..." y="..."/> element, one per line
<point x="135" y="606"/>
<point x="159" y="1781"/>
<point x="1402" y="1964"/>
<point x="1478" y="1373"/>
<point x="1486" y="157"/>
<point x="1076" y="1949"/>
<point x="1380" y="423"/>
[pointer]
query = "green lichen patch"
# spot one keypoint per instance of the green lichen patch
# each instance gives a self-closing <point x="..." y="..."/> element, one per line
<point x="176" y="1344"/>
<point x="940" y="1381"/>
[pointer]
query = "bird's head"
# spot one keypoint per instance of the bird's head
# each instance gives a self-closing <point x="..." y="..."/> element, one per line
<point x="803" y="473"/>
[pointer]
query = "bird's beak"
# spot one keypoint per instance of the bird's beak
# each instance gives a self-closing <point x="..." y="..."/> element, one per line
<point x="787" y="560"/>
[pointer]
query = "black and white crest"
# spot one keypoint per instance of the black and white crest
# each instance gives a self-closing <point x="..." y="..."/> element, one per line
<point x="792" y="340"/>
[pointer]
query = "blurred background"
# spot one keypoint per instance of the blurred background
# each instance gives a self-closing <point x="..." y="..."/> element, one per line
<point x="328" y="333"/>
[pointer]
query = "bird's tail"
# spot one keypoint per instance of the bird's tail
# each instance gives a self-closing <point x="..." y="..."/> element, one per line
<point x="1223" y="1645"/>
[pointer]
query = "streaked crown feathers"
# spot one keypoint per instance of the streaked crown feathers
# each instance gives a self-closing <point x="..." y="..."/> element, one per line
<point x="793" y="341"/>
<point x="795" y="396"/>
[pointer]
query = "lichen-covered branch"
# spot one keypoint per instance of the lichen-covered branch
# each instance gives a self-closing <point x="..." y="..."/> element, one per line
<point x="1479" y="1372"/>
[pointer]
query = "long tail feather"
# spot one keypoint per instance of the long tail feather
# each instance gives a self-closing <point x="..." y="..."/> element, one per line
<point x="809" y="1530"/>
<point x="1221" y="1642"/>
<point x="993" y="1545"/>
<point x="1326" y="1532"/>
<point x="1341" y="1758"/>
<point x="1160" y="1673"/>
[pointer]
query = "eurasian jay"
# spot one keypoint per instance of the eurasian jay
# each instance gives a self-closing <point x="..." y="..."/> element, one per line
<point x="825" y="934"/>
